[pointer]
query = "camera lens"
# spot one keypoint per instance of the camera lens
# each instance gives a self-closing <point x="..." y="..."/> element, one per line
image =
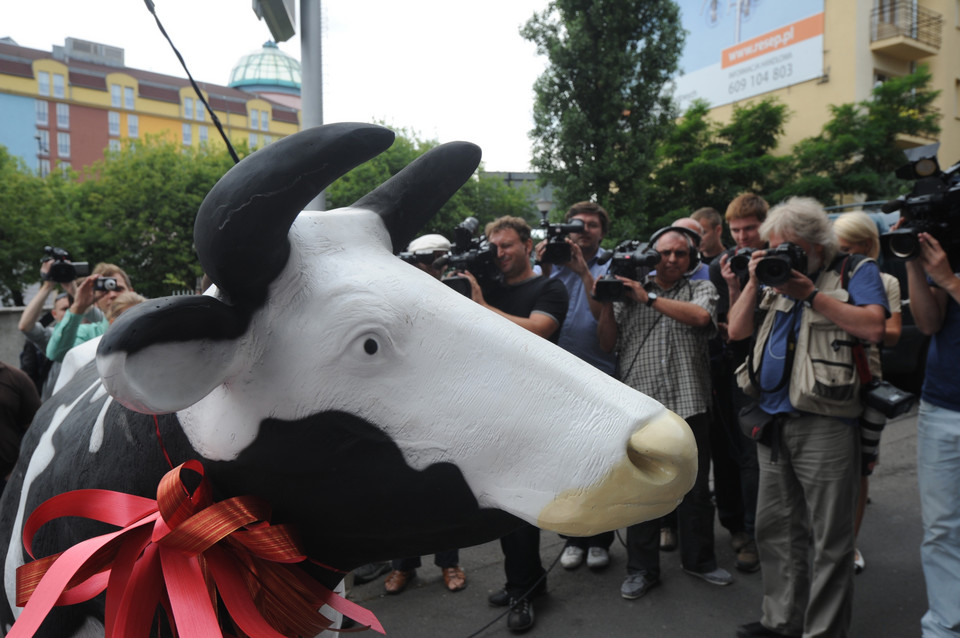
<point x="773" y="270"/>
<point x="904" y="245"/>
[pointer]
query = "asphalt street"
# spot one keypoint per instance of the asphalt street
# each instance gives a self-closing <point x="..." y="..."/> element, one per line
<point x="890" y="595"/>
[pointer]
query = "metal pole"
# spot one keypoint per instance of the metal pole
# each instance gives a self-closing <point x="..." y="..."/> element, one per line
<point x="311" y="68"/>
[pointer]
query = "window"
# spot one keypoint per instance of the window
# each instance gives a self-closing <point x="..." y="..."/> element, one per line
<point x="63" y="115"/>
<point x="43" y="142"/>
<point x="254" y="120"/>
<point x="203" y="133"/>
<point x="267" y="140"/>
<point x="44" y="167"/>
<point x="64" y="168"/>
<point x="264" y="120"/>
<point x="43" y="83"/>
<point x="128" y="97"/>
<point x="187" y="135"/>
<point x="188" y="108"/>
<point x="59" y="87"/>
<point x="115" y="96"/>
<point x="113" y="123"/>
<point x="253" y="141"/>
<point x="956" y="98"/>
<point x="201" y="111"/>
<point x="43" y="116"/>
<point x="63" y="144"/>
<point x="133" y="125"/>
<point x="114" y="145"/>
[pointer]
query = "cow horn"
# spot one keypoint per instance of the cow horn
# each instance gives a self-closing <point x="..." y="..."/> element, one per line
<point x="242" y="225"/>
<point x="410" y="198"/>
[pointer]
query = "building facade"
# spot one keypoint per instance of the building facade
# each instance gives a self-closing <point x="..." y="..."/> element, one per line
<point x="811" y="54"/>
<point x="68" y="106"/>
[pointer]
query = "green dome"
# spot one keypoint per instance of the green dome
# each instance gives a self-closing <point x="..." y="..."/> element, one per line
<point x="268" y="68"/>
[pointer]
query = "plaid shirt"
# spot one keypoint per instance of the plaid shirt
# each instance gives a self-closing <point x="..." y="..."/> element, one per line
<point x="663" y="358"/>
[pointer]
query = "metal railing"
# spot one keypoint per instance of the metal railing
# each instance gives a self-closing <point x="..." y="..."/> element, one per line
<point x="893" y="18"/>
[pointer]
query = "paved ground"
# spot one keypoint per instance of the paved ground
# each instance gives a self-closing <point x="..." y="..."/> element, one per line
<point x="889" y="600"/>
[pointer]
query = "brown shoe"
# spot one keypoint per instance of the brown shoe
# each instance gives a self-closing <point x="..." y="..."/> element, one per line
<point x="397" y="580"/>
<point x="748" y="558"/>
<point x="454" y="578"/>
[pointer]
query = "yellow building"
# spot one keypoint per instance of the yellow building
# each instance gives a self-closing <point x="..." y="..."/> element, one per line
<point x="71" y="104"/>
<point x="810" y="54"/>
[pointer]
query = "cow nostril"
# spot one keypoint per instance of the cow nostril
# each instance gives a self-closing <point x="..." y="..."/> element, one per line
<point x="663" y="449"/>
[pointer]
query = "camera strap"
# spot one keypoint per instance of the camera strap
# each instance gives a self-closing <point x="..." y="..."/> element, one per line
<point x="859" y="354"/>
<point x="787" y="364"/>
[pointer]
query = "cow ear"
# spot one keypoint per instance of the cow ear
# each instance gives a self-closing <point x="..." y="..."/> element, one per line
<point x="409" y="199"/>
<point x="166" y="354"/>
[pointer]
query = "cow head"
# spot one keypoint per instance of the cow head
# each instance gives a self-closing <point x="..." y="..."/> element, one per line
<point x="375" y="407"/>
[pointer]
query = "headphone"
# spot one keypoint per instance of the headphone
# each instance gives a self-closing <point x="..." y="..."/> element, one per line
<point x="693" y="244"/>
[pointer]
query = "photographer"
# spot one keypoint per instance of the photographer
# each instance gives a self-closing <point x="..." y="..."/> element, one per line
<point x="660" y="331"/>
<point x="814" y="305"/>
<point x="578" y="336"/>
<point x="935" y="301"/>
<point x="71" y="331"/>
<point x="538" y="304"/>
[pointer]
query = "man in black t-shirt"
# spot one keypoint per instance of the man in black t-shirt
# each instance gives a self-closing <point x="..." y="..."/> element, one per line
<point x="538" y="304"/>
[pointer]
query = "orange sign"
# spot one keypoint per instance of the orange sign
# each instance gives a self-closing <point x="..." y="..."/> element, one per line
<point x="777" y="39"/>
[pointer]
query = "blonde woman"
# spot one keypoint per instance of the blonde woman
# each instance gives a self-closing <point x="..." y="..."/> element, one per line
<point x="857" y="234"/>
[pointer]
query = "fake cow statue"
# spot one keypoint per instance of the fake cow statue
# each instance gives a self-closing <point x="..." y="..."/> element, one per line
<point x="377" y="411"/>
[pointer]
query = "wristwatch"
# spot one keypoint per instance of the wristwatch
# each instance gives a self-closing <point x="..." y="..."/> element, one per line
<point x="651" y="297"/>
<point x="809" y="299"/>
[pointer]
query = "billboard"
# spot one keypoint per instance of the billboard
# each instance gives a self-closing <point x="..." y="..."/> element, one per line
<point x="736" y="49"/>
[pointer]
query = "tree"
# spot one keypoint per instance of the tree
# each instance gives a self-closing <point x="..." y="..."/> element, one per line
<point x="703" y="163"/>
<point x="600" y="106"/>
<point x="857" y="151"/>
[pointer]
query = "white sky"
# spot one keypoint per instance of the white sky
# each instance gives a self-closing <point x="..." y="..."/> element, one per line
<point x="444" y="69"/>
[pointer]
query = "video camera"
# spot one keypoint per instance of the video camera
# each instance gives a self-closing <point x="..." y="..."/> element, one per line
<point x="631" y="259"/>
<point x="418" y="257"/>
<point x="62" y="270"/>
<point x="933" y="206"/>
<point x="472" y="254"/>
<point x="776" y="265"/>
<point x="557" y="250"/>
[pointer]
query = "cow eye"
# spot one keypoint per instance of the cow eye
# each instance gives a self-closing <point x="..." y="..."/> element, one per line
<point x="370" y="346"/>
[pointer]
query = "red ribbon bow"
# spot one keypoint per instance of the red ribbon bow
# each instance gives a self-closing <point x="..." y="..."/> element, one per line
<point x="178" y="552"/>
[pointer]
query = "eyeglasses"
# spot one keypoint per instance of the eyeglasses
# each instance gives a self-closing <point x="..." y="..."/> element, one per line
<point x="680" y="254"/>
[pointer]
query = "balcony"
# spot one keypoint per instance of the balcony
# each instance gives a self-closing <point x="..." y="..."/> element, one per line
<point x="904" y="30"/>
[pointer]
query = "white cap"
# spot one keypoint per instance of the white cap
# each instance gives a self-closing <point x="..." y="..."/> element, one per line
<point x="429" y="242"/>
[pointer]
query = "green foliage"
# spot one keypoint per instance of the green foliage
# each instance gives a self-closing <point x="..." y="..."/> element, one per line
<point x="703" y="163"/>
<point x="857" y="151"/>
<point x="600" y="108"/>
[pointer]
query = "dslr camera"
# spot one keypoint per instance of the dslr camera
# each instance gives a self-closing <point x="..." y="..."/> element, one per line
<point x="472" y="254"/>
<point x="740" y="261"/>
<point x="62" y="270"/>
<point x="932" y="206"/>
<point x="557" y="250"/>
<point x="631" y="259"/>
<point x="774" y="269"/>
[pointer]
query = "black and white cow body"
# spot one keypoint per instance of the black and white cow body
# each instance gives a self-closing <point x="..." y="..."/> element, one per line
<point x="378" y="411"/>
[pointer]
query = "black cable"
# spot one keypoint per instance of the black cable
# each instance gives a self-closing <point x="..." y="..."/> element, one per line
<point x="525" y="595"/>
<point x="213" y="116"/>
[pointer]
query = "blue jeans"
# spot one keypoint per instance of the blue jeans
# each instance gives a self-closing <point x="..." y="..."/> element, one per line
<point x="938" y="476"/>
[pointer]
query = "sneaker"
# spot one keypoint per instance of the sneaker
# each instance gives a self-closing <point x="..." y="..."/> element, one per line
<point x="370" y="571"/>
<point x="748" y="558"/>
<point x="738" y="540"/>
<point x="597" y="558"/>
<point x="572" y="557"/>
<point x="521" y="616"/>
<point x="858" y="562"/>
<point x="499" y="598"/>
<point x="668" y="539"/>
<point x="718" y="576"/>
<point x="637" y="585"/>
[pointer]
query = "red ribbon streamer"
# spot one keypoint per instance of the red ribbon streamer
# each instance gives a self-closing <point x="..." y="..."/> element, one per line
<point x="178" y="552"/>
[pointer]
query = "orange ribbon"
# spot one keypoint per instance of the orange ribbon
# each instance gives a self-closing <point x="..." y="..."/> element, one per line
<point x="178" y="552"/>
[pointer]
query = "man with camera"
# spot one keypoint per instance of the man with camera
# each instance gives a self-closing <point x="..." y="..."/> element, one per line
<point x="935" y="301"/>
<point x="660" y="330"/>
<point x="735" y="469"/>
<point x="578" y="335"/>
<point x="538" y="304"/>
<point x="811" y="305"/>
<point x="99" y="289"/>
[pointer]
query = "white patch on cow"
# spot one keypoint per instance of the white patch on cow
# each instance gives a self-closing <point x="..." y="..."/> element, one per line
<point x="96" y="434"/>
<point x="42" y="456"/>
